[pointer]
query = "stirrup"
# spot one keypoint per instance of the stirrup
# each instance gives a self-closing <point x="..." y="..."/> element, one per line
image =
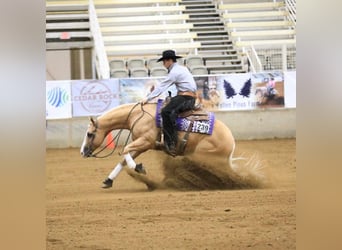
<point x="172" y="152"/>
<point x="159" y="145"/>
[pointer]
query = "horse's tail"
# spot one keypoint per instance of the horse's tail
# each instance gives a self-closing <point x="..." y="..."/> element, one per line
<point x="250" y="170"/>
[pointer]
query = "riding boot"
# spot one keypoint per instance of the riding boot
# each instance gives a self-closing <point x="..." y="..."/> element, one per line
<point x="169" y="142"/>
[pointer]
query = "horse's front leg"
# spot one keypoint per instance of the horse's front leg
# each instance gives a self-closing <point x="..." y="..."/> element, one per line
<point x="131" y="151"/>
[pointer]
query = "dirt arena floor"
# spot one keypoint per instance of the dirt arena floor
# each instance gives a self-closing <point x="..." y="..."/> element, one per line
<point x="82" y="215"/>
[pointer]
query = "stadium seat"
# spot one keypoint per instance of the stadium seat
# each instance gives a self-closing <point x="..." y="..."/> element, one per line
<point x="152" y="63"/>
<point x="199" y="70"/>
<point x="181" y="61"/>
<point x="158" y="71"/>
<point x="135" y="63"/>
<point x="139" y="72"/>
<point x="119" y="73"/>
<point x="117" y="64"/>
<point x="193" y="60"/>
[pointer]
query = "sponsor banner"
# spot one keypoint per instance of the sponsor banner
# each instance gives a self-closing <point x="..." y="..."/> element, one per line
<point x="232" y="92"/>
<point x="94" y="97"/>
<point x="134" y="90"/>
<point x="58" y="100"/>
<point x="290" y="89"/>
<point x="65" y="99"/>
<point x="269" y="89"/>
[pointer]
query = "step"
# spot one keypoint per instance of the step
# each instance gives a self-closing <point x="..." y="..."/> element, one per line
<point x="116" y="3"/>
<point x="207" y="24"/>
<point x="68" y="26"/>
<point x="200" y="11"/>
<point x="198" y="6"/>
<point x="205" y="19"/>
<point x="254" y="14"/>
<point x="220" y="57"/>
<point x="210" y="63"/>
<point x="212" y="31"/>
<point x="208" y="38"/>
<point x="204" y="14"/>
<point x="66" y="17"/>
<point x="86" y="35"/>
<point x="196" y="1"/>
<point x="225" y="67"/>
<point x="217" y="52"/>
<point x="211" y="28"/>
<point x="227" y="71"/>
<point x="221" y="46"/>
<point x="216" y="42"/>
<point x="253" y="6"/>
<point x="187" y="2"/>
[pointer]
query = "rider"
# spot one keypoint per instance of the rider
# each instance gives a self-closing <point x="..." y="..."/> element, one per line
<point x="183" y="101"/>
<point x="270" y="87"/>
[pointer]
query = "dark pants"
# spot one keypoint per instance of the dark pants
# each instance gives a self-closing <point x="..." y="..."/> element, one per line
<point x="169" y="114"/>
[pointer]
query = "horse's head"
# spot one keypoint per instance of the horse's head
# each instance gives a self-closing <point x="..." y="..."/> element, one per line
<point x="92" y="139"/>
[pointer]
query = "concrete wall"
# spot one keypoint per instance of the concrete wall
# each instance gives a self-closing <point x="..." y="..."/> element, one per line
<point x="245" y="125"/>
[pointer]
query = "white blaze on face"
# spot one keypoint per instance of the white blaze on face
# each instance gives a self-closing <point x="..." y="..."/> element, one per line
<point x="84" y="147"/>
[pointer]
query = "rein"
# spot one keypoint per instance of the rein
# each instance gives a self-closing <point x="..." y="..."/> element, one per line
<point x="117" y="136"/>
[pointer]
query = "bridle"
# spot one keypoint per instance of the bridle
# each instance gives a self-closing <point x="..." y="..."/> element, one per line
<point x="91" y="135"/>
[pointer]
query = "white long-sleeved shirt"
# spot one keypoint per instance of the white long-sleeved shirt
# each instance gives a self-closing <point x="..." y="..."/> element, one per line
<point x="178" y="75"/>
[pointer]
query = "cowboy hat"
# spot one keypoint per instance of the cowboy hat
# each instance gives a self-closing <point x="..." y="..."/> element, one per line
<point x="168" y="54"/>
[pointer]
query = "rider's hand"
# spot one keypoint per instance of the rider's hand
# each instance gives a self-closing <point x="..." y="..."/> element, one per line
<point x="144" y="101"/>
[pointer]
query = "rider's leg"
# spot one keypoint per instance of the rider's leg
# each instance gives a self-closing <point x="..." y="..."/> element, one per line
<point x="169" y="115"/>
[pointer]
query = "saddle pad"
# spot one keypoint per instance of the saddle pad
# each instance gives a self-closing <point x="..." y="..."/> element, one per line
<point x="199" y="126"/>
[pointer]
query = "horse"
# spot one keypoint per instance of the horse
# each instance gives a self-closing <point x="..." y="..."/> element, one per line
<point x="215" y="149"/>
<point x="265" y="96"/>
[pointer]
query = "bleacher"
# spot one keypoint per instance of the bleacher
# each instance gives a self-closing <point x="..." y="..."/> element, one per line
<point x="67" y="25"/>
<point x="131" y="29"/>
<point x="263" y="25"/>
<point x="144" y="29"/>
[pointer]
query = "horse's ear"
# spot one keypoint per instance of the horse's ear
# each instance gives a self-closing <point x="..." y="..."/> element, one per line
<point x="92" y="120"/>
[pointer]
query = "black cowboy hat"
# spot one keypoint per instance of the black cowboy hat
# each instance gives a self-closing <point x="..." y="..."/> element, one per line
<point x="168" y="54"/>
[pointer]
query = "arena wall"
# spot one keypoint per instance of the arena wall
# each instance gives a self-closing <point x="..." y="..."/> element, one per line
<point x="245" y="125"/>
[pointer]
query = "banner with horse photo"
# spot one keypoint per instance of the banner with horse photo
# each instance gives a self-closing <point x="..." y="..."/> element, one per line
<point x="94" y="97"/>
<point x="269" y="89"/>
<point x="58" y="100"/>
<point x="134" y="90"/>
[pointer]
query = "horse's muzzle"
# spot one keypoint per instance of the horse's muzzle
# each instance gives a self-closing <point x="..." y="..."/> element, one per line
<point x="86" y="152"/>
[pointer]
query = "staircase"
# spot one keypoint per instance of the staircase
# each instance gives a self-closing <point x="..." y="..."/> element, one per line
<point x="216" y="48"/>
<point x="67" y="25"/>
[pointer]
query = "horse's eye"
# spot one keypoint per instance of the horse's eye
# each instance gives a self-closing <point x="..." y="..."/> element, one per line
<point x="90" y="135"/>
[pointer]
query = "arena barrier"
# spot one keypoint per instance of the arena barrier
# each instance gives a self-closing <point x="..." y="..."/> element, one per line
<point x="238" y="100"/>
<point x="245" y="125"/>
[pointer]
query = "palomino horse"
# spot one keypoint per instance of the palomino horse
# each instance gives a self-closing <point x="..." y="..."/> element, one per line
<point x="140" y="120"/>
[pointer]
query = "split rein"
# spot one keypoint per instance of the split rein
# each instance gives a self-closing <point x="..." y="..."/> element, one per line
<point x="117" y="136"/>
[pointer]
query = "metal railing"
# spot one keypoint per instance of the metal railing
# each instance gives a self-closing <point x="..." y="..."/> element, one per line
<point x="100" y="55"/>
<point x="290" y="6"/>
<point x="273" y="58"/>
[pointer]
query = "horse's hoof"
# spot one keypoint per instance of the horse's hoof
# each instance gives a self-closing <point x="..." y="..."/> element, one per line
<point x="108" y="183"/>
<point x="140" y="169"/>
